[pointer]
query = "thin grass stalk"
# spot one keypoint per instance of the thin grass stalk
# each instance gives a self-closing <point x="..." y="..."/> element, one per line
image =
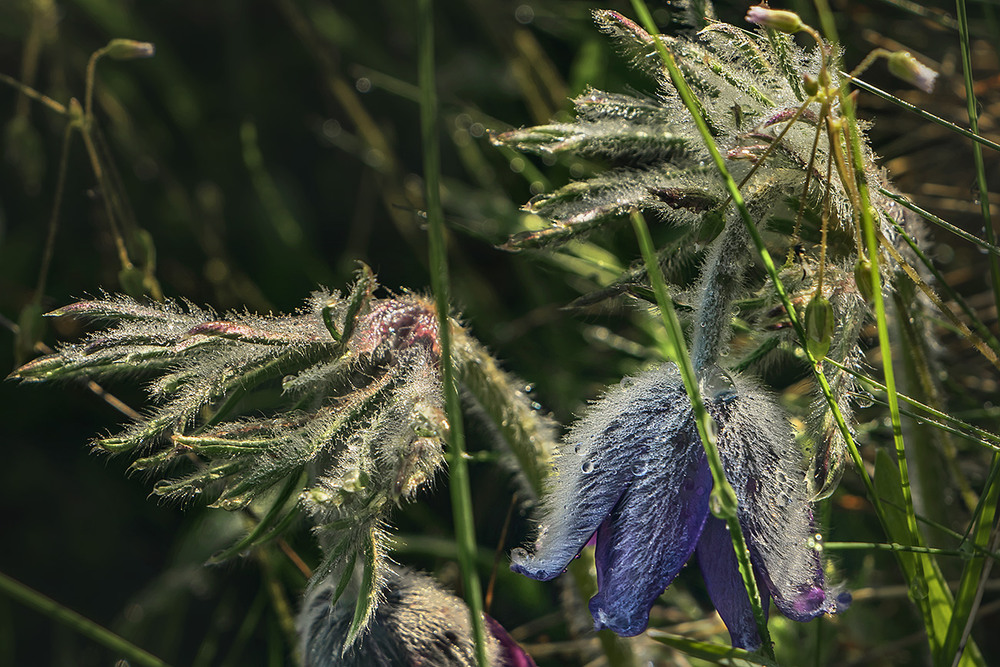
<point x="869" y="234"/>
<point x="973" y="578"/>
<point x="86" y="627"/>
<point x="866" y="215"/>
<point x="926" y="115"/>
<point x="461" y="495"/>
<point x="968" y="595"/>
<point x="977" y="151"/>
<point x="723" y="499"/>
<point x="984" y="333"/>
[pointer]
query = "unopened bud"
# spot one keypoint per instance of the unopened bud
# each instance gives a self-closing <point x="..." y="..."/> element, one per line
<point x="778" y="19"/>
<point x="863" y="278"/>
<point x="819" y="326"/>
<point x="810" y="85"/>
<point x="903" y="65"/>
<point x="129" y="49"/>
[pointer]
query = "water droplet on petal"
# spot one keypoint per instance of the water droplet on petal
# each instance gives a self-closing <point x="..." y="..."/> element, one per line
<point x="587" y="467"/>
<point x="715" y="505"/>
<point x="626" y="382"/>
<point x="519" y="555"/>
<point x="577" y="448"/>
<point x="863" y="399"/>
<point x="718" y="383"/>
<point x="639" y="468"/>
<point x="713" y="429"/>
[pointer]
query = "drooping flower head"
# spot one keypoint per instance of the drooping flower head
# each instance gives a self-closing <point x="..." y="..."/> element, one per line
<point x="634" y="472"/>
<point x="418" y="624"/>
<point x="348" y="416"/>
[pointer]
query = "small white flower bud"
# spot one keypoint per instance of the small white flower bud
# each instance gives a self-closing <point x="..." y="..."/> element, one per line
<point x="903" y="65"/>
<point x="778" y="19"/>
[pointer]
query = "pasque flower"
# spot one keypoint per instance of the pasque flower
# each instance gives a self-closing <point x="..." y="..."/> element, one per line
<point x="418" y="623"/>
<point x="634" y="472"/>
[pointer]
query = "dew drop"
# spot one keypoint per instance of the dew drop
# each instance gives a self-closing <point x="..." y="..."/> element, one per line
<point x="626" y="382"/>
<point x="587" y="467"/>
<point x="577" y="448"/>
<point x="713" y="429"/>
<point x="536" y="406"/>
<point x="863" y="399"/>
<point x="918" y="590"/>
<point x="519" y="555"/>
<point x="715" y="505"/>
<point x="719" y="383"/>
<point x="639" y="468"/>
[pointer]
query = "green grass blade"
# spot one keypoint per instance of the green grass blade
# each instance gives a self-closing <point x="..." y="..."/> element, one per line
<point x="461" y="494"/>
<point x="889" y="97"/>
<point x="714" y="653"/>
<point x="57" y="612"/>
<point x="970" y="586"/>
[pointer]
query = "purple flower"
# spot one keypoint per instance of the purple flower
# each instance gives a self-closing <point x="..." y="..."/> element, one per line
<point x="634" y="472"/>
<point x="418" y="623"/>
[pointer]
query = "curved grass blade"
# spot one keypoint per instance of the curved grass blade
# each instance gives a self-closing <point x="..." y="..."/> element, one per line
<point x="52" y="609"/>
<point x="717" y="654"/>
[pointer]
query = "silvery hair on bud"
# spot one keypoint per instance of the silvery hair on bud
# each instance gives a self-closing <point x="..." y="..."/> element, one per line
<point x="416" y="624"/>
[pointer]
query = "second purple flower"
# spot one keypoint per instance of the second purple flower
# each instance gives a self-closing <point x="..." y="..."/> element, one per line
<point x="633" y="472"/>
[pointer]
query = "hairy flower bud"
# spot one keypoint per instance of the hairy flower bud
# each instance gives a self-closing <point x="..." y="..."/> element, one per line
<point x="819" y="326"/>
<point x="810" y="84"/>
<point x="863" y="278"/>
<point x="903" y="65"/>
<point x="129" y="49"/>
<point x="778" y="19"/>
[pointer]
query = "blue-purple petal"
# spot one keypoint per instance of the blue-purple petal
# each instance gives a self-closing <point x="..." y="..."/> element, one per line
<point x="725" y="585"/>
<point x="764" y="465"/>
<point x="650" y="535"/>
<point x="652" y="531"/>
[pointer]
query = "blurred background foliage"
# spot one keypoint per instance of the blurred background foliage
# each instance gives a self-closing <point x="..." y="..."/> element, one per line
<point x="268" y="146"/>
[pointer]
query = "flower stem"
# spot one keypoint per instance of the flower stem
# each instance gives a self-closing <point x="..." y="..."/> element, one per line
<point x="461" y="495"/>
